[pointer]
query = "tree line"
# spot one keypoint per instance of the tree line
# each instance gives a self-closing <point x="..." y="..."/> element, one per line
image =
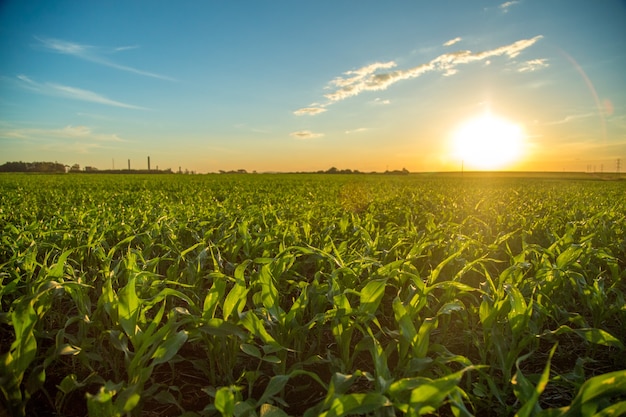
<point x="20" y="166"/>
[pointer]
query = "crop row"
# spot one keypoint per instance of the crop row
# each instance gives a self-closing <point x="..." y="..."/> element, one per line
<point x="276" y="295"/>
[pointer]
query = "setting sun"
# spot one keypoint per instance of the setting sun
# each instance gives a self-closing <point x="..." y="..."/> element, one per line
<point x="487" y="142"/>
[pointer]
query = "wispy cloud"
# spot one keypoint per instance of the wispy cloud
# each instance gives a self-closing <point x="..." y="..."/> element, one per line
<point x="358" y="130"/>
<point x="95" y="54"/>
<point x="73" y="93"/>
<point x="505" y="6"/>
<point x="305" y="134"/>
<point x="377" y="76"/>
<point x="571" y="118"/>
<point x="310" y="111"/>
<point x="381" y="101"/>
<point x="125" y="48"/>
<point x="533" y="65"/>
<point x="452" y="41"/>
<point x="81" y="133"/>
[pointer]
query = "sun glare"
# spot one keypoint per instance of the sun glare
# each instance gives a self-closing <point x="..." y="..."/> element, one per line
<point x="487" y="142"/>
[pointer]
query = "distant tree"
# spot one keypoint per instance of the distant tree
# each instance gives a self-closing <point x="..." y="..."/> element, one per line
<point x="20" y="166"/>
<point x="404" y="171"/>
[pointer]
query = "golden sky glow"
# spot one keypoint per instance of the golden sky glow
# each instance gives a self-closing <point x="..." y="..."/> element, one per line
<point x="305" y="86"/>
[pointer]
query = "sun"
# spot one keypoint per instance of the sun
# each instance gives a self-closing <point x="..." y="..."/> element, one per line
<point x="487" y="142"/>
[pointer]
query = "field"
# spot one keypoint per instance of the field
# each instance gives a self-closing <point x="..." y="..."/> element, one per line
<point x="312" y="295"/>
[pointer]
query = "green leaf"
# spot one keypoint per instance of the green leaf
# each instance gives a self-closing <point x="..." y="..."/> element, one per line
<point x="429" y="396"/>
<point x="255" y="326"/>
<point x="406" y="326"/>
<point x="269" y="293"/>
<point x="68" y="384"/>
<point x="251" y="350"/>
<point x="519" y="313"/>
<point x="268" y="410"/>
<point x="169" y="348"/>
<point x="613" y="410"/>
<point x="595" y="390"/>
<point x="568" y="256"/>
<point x="101" y="404"/>
<point x="235" y="300"/>
<point x="186" y="251"/>
<point x="351" y="404"/>
<point x="451" y="307"/>
<point x="371" y="295"/>
<point x="128" y="399"/>
<point x="57" y="270"/>
<point x="531" y="401"/>
<point x="276" y="384"/>
<point x="128" y="309"/>
<point x="225" y="401"/>
<point x="214" y="296"/>
<point x="420" y="347"/>
<point x="592" y="335"/>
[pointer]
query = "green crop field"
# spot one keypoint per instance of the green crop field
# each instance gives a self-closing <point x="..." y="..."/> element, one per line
<point x="312" y="295"/>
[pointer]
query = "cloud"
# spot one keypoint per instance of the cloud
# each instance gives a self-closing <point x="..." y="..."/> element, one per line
<point x="305" y="134"/>
<point x="125" y="48"/>
<point x="95" y="55"/>
<point x="452" y="41"/>
<point x="73" y="93"/>
<point x="69" y="132"/>
<point x="571" y="118"/>
<point x="533" y="65"/>
<point x="505" y="6"/>
<point x="371" y="78"/>
<point x="311" y="111"/>
<point x="381" y="101"/>
<point x="358" y="130"/>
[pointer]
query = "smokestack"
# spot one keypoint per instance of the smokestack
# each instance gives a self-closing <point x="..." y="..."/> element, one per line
<point x="148" y="163"/>
<point x="129" y="164"/>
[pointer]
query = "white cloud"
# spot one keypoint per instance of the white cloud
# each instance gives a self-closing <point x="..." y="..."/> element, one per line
<point x="533" y="65"/>
<point x="305" y="134"/>
<point x="452" y="41"/>
<point x="125" y="48"/>
<point x="505" y="6"/>
<point x="381" y="101"/>
<point x="311" y="111"/>
<point x="92" y="54"/>
<point x="73" y="93"/>
<point x="358" y="130"/>
<point x="570" y="118"/>
<point x="370" y="78"/>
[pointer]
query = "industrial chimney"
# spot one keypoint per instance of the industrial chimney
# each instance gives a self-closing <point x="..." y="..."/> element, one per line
<point x="148" y="163"/>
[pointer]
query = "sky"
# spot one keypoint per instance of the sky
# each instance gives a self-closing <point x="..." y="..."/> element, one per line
<point x="304" y="86"/>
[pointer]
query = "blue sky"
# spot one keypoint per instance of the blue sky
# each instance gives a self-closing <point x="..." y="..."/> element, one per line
<point x="301" y="86"/>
